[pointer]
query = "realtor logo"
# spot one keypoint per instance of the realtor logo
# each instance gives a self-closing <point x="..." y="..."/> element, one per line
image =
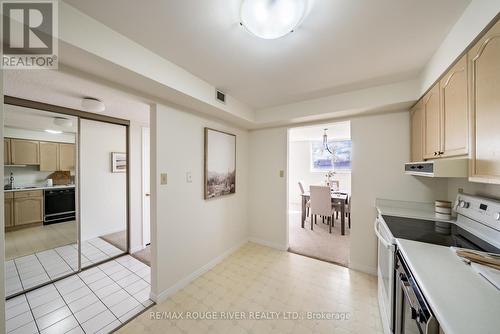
<point x="29" y="33"/>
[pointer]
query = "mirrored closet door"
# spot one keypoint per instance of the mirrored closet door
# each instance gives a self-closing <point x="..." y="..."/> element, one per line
<point x="40" y="197"/>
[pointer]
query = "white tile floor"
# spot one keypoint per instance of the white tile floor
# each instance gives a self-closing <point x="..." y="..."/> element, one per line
<point x="32" y="270"/>
<point x="97" y="300"/>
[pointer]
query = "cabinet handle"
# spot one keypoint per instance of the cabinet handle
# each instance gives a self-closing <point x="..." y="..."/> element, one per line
<point x="441" y="153"/>
<point x="435" y="153"/>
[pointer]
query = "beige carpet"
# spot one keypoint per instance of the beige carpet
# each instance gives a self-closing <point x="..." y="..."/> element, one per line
<point x="117" y="239"/>
<point x="318" y="243"/>
<point x="144" y="255"/>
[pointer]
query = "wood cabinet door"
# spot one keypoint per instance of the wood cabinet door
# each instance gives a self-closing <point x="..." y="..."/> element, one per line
<point x="432" y="123"/>
<point x="6" y="151"/>
<point x="416" y="129"/>
<point x="454" y="111"/>
<point x="484" y="67"/>
<point x="8" y="212"/>
<point x="28" y="210"/>
<point x="49" y="156"/>
<point x="67" y="157"/>
<point x="24" y="152"/>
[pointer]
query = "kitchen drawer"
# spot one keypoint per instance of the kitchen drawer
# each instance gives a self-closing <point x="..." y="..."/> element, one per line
<point x="30" y="193"/>
<point x="8" y="195"/>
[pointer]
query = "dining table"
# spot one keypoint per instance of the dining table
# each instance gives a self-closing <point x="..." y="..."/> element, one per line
<point x="337" y="198"/>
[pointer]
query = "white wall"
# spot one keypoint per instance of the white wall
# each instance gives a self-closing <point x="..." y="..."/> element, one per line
<point x="381" y="145"/>
<point x="135" y="182"/>
<point x="299" y="169"/>
<point x="268" y="191"/>
<point x="103" y="193"/>
<point x="187" y="231"/>
<point x="473" y="188"/>
<point x="25" y="176"/>
<point x="40" y="135"/>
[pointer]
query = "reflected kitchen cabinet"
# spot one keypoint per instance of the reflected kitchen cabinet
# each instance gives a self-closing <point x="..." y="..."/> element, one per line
<point x="24" y="152"/>
<point x="28" y="207"/>
<point x="49" y="156"/>
<point x="9" y="209"/>
<point x="67" y="157"/>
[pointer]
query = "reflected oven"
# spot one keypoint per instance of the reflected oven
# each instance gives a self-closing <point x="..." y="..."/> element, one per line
<point x="59" y="205"/>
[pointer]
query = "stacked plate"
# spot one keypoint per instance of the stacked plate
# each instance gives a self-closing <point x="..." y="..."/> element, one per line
<point x="442" y="209"/>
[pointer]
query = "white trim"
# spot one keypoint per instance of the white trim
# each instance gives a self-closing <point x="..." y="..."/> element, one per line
<point x="136" y="249"/>
<point x="268" y="243"/>
<point x="164" y="295"/>
<point x="365" y="269"/>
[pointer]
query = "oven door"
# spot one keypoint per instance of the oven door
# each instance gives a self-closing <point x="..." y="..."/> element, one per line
<point x="385" y="273"/>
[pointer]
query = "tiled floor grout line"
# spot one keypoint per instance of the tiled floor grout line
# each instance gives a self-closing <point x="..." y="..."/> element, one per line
<point x="69" y="308"/>
<point x="134" y="274"/>
<point x="31" y="311"/>
<point x="44" y="269"/>
<point x="18" y="274"/>
<point x="69" y="265"/>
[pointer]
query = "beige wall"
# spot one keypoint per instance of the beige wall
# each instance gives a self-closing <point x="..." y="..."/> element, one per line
<point x="189" y="233"/>
<point x="481" y="189"/>
<point x="268" y="191"/>
<point x="381" y="145"/>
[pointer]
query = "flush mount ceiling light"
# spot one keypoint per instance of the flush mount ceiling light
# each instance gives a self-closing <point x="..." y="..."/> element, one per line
<point x="93" y="105"/>
<point x="54" y="132"/>
<point x="64" y="122"/>
<point x="271" y="19"/>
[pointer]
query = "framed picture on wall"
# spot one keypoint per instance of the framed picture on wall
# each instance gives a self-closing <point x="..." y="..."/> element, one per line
<point x="220" y="163"/>
<point x="118" y="162"/>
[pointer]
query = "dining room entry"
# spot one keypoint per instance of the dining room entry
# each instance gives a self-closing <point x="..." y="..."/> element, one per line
<point x="319" y="191"/>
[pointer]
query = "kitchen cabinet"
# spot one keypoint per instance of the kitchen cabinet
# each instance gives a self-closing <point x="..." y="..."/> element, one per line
<point x="49" y="156"/>
<point x="67" y="154"/>
<point x="432" y="123"/>
<point x="28" y="207"/>
<point x="454" y="111"/>
<point x="9" y="209"/>
<point x="6" y="151"/>
<point x="24" y="152"/>
<point x="484" y="90"/>
<point x="416" y="120"/>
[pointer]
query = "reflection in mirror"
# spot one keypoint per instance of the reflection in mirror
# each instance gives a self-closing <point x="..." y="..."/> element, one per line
<point x="103" y="203"/>
<point x="39" y="188"/>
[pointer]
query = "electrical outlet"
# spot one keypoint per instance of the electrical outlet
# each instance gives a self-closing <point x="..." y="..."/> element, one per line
<point x="282" y="173"/>
<point x="163" y="178"/>
<point x="189" y="177"/>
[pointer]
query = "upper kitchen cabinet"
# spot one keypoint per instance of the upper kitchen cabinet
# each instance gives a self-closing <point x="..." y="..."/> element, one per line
<point x="24" y="152"/>
<point x="484" y="69"/>
<point x="416" y="120"/>
<point x="454" y="111"/>
<point x="6" y="151"/>
<point x="49" y="156"/>
<point x="67" y="156"/>
<point x="432" y="123"/>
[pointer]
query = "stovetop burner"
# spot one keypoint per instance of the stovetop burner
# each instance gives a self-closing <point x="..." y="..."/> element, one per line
<point x="435" y="232"/>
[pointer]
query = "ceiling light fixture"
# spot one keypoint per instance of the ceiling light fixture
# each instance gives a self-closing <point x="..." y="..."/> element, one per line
<point x="93" y="105"/>
<point x="54" y="132"/>
<point x="62" y="121"/>
<point x="271" y="19"/>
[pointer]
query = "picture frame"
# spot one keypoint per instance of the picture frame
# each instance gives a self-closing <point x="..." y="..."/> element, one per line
<point x="220" y="164"/>
<point x="118" y="162"/>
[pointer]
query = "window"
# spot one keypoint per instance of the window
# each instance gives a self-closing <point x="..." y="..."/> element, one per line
<point x="322" y="160"/>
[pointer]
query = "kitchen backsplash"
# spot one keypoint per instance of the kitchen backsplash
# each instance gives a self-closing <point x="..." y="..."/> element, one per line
<point x="23" y="176"/>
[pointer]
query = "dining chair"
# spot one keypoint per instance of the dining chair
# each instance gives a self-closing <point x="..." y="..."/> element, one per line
<point x="321" y="205"/>
<point x="308" y="204"/>
<point x="348" y="211"/>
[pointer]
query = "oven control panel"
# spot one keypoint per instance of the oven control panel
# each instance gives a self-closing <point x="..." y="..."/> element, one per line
<point x="483" y="210"/>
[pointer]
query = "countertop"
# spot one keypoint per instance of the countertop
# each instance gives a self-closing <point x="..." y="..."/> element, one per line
<point x="462" y="301"/>
<point x="409" y="210"/>
<point x="41" y="188"/>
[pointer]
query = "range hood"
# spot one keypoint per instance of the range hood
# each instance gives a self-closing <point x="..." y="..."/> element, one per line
<point x="439" y="168"/>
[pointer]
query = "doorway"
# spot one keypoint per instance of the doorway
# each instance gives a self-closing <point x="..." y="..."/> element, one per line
<point x="318" y="161"/>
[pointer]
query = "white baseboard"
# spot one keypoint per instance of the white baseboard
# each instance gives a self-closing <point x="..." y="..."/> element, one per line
<point x="162" y="296"/>
<point x="365" y="269"/>
<point x="268" y="243"/>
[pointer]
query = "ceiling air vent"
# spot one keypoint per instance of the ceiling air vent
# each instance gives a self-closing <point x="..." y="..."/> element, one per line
<point x="220" y="96"/>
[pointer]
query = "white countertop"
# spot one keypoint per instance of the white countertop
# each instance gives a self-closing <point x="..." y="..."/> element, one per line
<point x="462" y="301"/>
<point x="404" y="209"/>
<point x="41" y="188"/>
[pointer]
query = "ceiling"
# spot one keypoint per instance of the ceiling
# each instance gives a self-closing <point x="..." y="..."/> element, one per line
<point x="37" y="120"/>
<point x="67" y="87"/>
<point x="341" y="45"/>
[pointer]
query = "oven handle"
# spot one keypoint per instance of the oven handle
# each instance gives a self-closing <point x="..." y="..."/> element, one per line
<point x="384" y="242"/>
<point x="410" y="295"/>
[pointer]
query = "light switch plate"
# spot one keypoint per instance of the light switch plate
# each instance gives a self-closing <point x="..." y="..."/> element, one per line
<point x="189" y="177"/>
<point x="163" y="178"/>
